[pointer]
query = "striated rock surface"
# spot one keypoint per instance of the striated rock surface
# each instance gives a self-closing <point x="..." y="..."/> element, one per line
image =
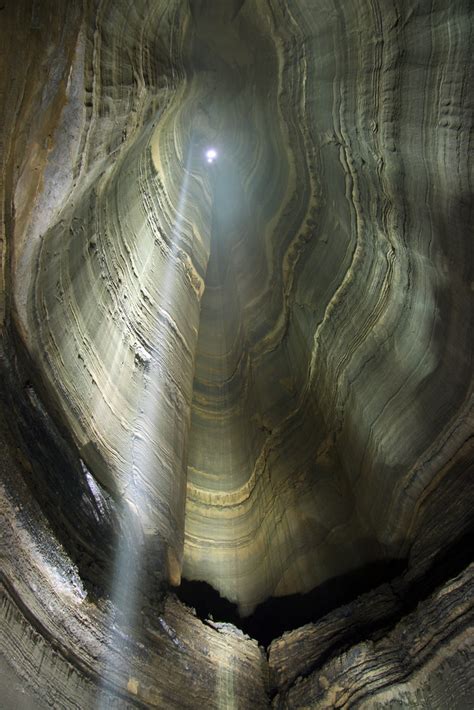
<point x="423" y="662"/>
<point x="254" y="371"/>
<point x="329" y="350"/>
<point x="124" y="263"/>
<point x="64" y="650"/>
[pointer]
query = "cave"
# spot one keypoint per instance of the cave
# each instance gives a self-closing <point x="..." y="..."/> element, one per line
<point x="236" y="306"/>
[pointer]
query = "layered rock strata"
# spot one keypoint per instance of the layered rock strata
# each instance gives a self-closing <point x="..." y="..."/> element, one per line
<point x="60" y="648"/>
<point x="424" y="661"/>
<point x="255" y="372"/>
<point x="248" y="274"/>
<point x="327" y="332"/>
<point x="63" y="648"/>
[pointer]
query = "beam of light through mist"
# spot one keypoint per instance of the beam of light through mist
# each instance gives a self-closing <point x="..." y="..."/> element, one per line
<point x="128" y="565"/>
<point x="211" y="155"/>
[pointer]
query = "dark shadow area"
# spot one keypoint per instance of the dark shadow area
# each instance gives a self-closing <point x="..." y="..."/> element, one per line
<point x="83" y="516"/>
<point x="446" y="564"/>
<point x="279" y="614"/>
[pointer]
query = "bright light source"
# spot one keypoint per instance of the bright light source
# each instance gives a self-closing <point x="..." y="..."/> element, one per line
<point x="211" y="155"/>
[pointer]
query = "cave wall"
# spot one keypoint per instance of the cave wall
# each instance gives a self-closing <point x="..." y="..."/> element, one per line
<point x="234" y="298"/>
<point x="123" y="263"/>
<point x="279" y="344"/>
<point x="326" y="372"/>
